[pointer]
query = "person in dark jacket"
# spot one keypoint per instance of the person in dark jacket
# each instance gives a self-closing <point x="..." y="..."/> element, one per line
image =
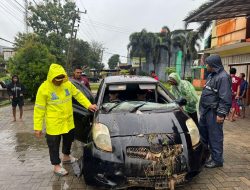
<point x="15" y="90"/>
<point x="215" y="104"/>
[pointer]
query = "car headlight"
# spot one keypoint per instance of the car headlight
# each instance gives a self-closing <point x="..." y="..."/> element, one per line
<point x="101" y="137"/>
<point x="193" y="131"/>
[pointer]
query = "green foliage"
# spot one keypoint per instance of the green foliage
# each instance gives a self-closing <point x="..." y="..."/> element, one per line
<point x="31" y="63"/>
<point x="113" y="61"/>
<point x="81" y="54"/>
<point x="51" y="16"/>
<point x="6" y="79"/>
<point x="188" y="79"/>
<point x="87" y="55"/>
<point x="22" y="38"/>
<point x="1" y="59"/>
<point x="142" y="73"/>
<point x="94" y="86"/>
<point x="170" y="70"/>
<point x="95" y="56"/>
<point x="52" y="21"/>
<point x="124" y="72"/>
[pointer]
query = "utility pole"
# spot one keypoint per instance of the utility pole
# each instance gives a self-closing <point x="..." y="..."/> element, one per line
<point x="26" y="16"/>
<point x="73" y="35"/>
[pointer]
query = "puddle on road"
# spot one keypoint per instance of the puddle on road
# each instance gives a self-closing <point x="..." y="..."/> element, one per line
<point x="20" y="144"/>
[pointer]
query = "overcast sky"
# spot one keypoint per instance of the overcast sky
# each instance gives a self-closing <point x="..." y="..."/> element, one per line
<point x="109" y="21"/>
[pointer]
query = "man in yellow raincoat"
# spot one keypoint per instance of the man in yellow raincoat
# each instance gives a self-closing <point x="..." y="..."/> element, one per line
<point x="54" y="104"/>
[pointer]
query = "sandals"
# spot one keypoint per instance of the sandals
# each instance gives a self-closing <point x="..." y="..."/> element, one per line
<point x="61" y="172"/>
<point x="72" y="160"/>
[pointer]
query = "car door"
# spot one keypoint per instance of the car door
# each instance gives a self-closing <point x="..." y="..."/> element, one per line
<point x="82" y="117"/>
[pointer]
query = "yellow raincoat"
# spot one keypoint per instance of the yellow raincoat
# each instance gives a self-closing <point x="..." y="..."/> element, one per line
<point x="54" y="103"/>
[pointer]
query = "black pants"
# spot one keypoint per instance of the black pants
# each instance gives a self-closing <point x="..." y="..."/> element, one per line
<point x="194" y="117"/>
<point x="212" y="135"/>
<point x="53" y="142"/>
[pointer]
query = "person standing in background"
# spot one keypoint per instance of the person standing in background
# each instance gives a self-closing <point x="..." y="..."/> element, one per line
<point x="153" y="75"/>
<point x="78" y="75"/>
<point x="236" y="81"/>
<point x="243" y="93"/>
<point x="16" y="90"/>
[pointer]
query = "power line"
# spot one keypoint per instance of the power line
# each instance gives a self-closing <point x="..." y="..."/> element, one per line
<point x="20" y="5"/>
<point x="6" y="40"/>
<point x="110" y="29"/>
<point x="88" y="15"/>
<point x="87" y="33"/>
<point x="112" y="26"/>
<point x="10" y="12"/>
<point x="115" y="54"/>
<point x="11" y="3"/>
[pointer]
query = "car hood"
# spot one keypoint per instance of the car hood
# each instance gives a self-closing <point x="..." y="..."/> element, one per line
<point x="127" y="124"/>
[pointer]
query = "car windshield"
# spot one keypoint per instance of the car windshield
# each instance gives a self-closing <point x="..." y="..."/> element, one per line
<point x="133" y="97"/>
<point x="134" y="106"/>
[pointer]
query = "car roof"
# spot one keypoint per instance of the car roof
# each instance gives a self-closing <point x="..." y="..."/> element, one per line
<point x="129" y="79"/>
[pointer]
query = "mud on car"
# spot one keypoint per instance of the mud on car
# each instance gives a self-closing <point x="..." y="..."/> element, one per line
<point x="139" y="137"/>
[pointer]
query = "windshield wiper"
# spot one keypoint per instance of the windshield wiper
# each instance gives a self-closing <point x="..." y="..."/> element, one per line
<point x="137" y="107"/>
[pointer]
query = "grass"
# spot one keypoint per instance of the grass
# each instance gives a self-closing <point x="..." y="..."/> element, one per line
<point x="4" y="103"/>
<point x="94" y="86"/>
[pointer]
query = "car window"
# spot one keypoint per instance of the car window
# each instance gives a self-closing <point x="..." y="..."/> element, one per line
<point x="134" y="96"/>
<point x="129" y="92"/>
<point x="162" y="95"/>
<point x="98" y="91"/>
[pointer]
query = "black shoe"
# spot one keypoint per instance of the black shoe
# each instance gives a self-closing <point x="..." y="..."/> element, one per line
<point x="213" y="164"/>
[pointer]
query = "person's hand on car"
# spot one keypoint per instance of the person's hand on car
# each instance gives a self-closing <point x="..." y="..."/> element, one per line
<point x="93" y="108"/>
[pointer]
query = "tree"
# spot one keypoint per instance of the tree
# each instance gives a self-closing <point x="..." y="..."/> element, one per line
<point x="113" y="61"/>
<point x="95" y="56"/>
<point x="22" y="38"/>
<point x="31" y="63"/>
<point x="187" y="41"/>
<point x="52" y="22"/>
<point x="81" y="53"/>
<point x="136" y="45"/>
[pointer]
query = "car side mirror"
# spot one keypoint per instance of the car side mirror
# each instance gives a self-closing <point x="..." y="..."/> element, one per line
<point x="181" y="101"/>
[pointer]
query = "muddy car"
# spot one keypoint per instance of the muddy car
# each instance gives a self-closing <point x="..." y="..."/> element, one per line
<point x="139" y="137"/>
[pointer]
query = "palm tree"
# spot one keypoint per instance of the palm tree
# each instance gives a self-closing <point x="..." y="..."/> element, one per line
<point x="187" y="42"/>
<point x="135" y="45"/>
<point x="142" y="44"/>
<point x="165" y="43"/>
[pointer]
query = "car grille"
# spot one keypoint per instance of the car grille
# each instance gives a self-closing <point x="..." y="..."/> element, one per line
<point x="167" y="162"/>
<point x="144" y="152"/>
<point x="137" y="152"/>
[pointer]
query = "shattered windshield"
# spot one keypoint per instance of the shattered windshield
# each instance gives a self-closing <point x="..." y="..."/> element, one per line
<point x="134" y="106"/>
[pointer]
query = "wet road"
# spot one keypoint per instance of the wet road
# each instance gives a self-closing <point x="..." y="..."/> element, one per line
<point x="24" y="159"/>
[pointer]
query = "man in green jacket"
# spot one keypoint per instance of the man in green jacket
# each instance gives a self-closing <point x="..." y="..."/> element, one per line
<point x="184" y="89"/>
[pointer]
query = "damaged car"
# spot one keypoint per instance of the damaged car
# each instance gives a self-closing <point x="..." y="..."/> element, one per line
<point x="139" y="137"/>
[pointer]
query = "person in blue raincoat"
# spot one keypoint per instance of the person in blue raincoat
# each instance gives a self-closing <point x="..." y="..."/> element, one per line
<point x="215" y="104"/>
